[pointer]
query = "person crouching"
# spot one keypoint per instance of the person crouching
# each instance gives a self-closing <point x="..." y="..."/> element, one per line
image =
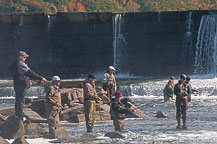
<point x="53" y="105"/>
<point x="118" y="111"/>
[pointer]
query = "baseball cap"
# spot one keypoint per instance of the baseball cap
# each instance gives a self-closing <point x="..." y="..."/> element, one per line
<point x="118" y="94"/>
<point x="111" y="67"/>
<point x="22" y="53"/>
<point x="55" y="78"/>
<point x="183" y="76"/>
<point x="91" y="76"/>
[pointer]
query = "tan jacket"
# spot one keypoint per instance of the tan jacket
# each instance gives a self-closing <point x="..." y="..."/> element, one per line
<point x="89" y="91"/>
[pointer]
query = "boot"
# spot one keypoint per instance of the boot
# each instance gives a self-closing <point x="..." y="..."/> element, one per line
<point x="184" y="127"/>
<point x="89" y="129"/>
<point x="179" y="124"/>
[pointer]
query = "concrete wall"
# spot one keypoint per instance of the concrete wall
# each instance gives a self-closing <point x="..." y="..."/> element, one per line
<point x="74" y="44"/>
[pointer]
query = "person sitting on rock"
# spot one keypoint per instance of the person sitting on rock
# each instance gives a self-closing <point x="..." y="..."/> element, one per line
<point x="53" y="105"/>
<point x="169" y="92"/>
<point x="118" y="111"/>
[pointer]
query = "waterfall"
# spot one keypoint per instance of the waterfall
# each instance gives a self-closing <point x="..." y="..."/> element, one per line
<point x="206" y="47"/>
<point x="119" y="43"/>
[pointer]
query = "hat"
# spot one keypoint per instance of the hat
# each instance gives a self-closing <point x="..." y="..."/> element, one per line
<point x="55" y="78"/>
<point x="188" y="78"/>
<point x="112" y="68"/>
<point x="118" y="94"/>
<point x="183" y="76"/>
<point x="22" y="53"/>
<point x="91" y="76"/>
<point x="172" y="78"/>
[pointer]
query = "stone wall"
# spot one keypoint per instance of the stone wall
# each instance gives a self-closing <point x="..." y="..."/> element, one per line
<point x="74" y="44"/>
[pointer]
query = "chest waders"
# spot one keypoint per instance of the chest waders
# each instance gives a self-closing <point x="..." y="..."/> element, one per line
<point x="53" y="113"/>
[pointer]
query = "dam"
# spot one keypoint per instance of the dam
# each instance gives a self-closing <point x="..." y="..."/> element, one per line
<point x="71" y="45"/>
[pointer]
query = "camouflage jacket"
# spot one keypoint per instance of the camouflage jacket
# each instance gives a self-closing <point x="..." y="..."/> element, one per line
<point x="182" y="90"/>
<point x="89" y="91"/>
<point x="110" y="79"/>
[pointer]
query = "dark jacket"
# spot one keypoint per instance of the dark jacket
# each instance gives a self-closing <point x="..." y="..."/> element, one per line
<point x="182" y="90"/>
<point x="21" y="79"/>
<point x="118" y="110"/>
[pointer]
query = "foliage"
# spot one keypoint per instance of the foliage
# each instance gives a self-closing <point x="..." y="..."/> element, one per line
<point x="53" y="6"/>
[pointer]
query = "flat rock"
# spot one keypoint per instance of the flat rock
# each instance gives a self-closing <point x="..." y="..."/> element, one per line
<point x="12" y="128"/>
<point x="20" y="140"/>
<point x="85" y="138"/>
<point x="114" y="135"/>
<point x="61" y="133"/>
<point x="7" y="111"/>
<point x="33" y="116"/>
<point x="3" y="141"/>
<point x="33" y="130"/>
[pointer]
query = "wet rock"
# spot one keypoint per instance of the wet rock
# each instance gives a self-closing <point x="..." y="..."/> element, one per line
<point x="3" y="141"/>
<point x="85" y="138"/>
<point x="61" y="133"/>
<point x="161" y="114"/>
<point x="76" y="109"/>
<point x="12" y="128"/>
<point x="2" y="119"/>
<point x="77" y="118"/>
<point x="33" y="130"/>
<point x="105" y="107"/>
<point x="114" y="135"/>
<point x="39" y="107"/>
<point x="137" y="113"/>
<point x="20" y="140"/>
<point x="33" y="116"/>
<point x="104" y="115"/>
<point x="7" y="111"/>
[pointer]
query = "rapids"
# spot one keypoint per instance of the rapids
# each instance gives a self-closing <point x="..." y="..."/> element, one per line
<point x="201" y="121"/>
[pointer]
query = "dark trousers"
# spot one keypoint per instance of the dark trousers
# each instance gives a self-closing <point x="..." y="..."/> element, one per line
<point x="109" y="89"/>
<point x="19" y="101"/>
<point x="181" y="110"/>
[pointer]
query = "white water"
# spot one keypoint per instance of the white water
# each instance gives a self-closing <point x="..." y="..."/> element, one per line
<point x="202" y="117"/>
<point x="206" y="47"/>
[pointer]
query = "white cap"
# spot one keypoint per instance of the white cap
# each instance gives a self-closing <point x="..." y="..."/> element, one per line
<point x="111" y="67"/>
<point x="55" y="78"/>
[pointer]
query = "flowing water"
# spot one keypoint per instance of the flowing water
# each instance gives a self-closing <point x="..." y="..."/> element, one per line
<point x="202" y="116"/>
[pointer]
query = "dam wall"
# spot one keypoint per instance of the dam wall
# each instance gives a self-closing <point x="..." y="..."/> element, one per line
<point x="72" y="45"/>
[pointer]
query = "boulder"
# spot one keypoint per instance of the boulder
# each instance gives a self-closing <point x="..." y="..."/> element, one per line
<point x="77" y="118"/>
<point x="104" y="115"/>
<point x="33" y="130"/>
<point x="161" y="114"/>
<point x="61" y="133"/>
<point x="2" y="119"/>
<point x="114" y="135"/>
<point x="80" y="94"/>
<point x="12" y="128"/>
<point x="85" y="138"/>
<point x="3" y="141"/>
<point x="39" y="107"/>
<point x="76" y="109"/>
<point x="7" y="111"/>
<point x="137" y="112"/>
<point x="20" y="140"/>
<point x="105" y="107"/>
<point x="33" y="116"/>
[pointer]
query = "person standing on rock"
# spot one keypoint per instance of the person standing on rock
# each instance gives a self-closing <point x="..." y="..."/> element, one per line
<point x="168" y="92"/>
<point x="182" y="92"/>
<point x="53" y="105"/>
<point x="109" y="82"/>
<point x="90" y="98"/>
<point x="118" y="111"/>
<point x="21" y="74"/>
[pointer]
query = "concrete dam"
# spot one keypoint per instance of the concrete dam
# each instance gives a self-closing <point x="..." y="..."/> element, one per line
<point x="71" y="45"/>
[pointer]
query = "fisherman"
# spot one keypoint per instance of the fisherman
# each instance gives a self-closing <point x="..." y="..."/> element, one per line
<point x="21" y="74"/>
<point x="118" y="111"/>
<point x="169" y="92"/>
<point x="172" y="79"/>
<point x="109" y="82"/>
<point x="194" y="91"/>
<point x="183" y="93"/>
<point x="90" y="98"/>
<point x="53" y="105"/>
